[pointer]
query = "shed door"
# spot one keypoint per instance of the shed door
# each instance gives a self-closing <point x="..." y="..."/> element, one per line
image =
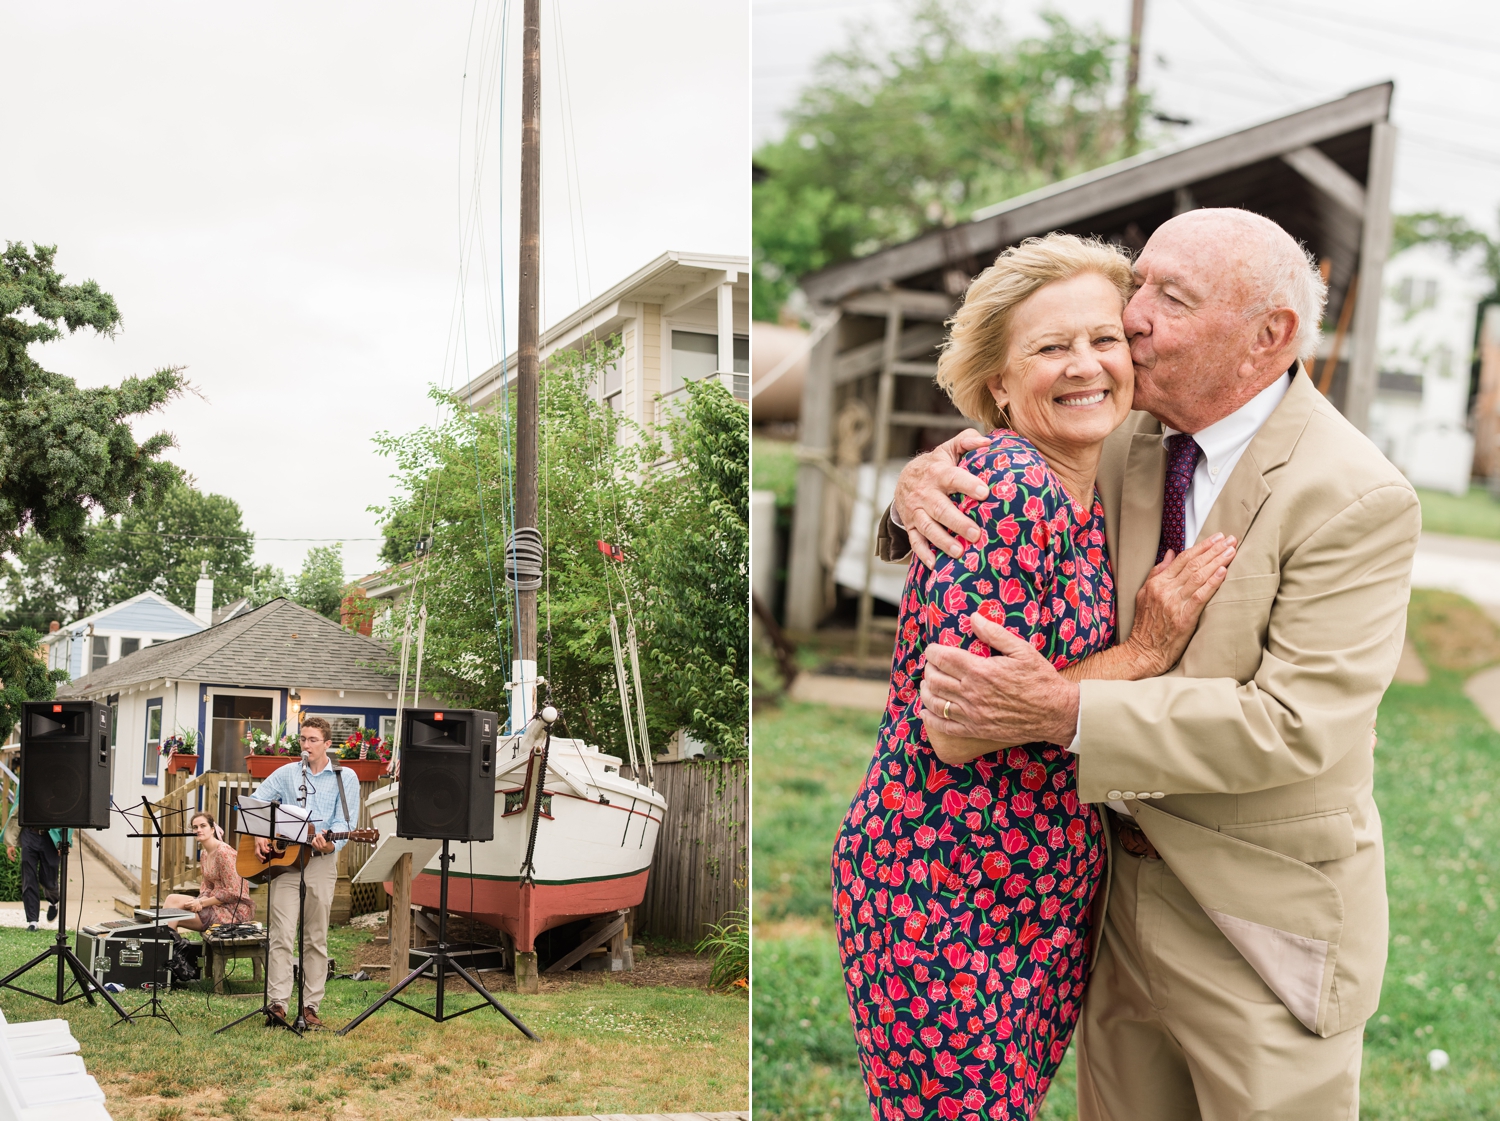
<point x="234" y="717"/>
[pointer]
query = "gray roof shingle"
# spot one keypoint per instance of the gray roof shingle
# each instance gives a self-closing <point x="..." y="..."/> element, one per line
<point x="280" y="644"/>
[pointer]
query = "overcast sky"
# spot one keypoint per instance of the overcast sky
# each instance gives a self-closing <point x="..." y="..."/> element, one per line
<point x="273" y="193"/>
<point x="1226" y="63"/>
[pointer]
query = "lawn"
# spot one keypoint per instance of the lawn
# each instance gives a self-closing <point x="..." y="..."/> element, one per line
<point x="1476" y="514"/>
<point x="1437" y="784"/>
<point x="607" y="1047"/>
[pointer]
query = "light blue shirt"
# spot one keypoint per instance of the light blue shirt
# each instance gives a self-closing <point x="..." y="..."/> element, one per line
<point x="284" y="785"/>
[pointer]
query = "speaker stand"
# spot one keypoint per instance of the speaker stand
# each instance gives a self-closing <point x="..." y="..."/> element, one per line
<point x="438" y="964"/>
<point x="66" y="958"/>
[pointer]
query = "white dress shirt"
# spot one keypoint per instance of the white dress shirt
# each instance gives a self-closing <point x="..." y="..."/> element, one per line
<point x="1222" y="443"/>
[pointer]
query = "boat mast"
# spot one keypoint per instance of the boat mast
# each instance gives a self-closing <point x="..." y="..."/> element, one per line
<point x="527" y="340"/>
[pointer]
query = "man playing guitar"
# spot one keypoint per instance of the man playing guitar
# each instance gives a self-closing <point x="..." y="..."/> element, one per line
<point x="332" y="793"/>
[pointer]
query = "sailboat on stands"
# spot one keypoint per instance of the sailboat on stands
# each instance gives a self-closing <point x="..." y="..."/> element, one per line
<point x="574" y="838"/>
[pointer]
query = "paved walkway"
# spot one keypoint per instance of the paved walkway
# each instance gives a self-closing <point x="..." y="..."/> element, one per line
<point x="1469" y="566"/>
<point x="90" y="882"/>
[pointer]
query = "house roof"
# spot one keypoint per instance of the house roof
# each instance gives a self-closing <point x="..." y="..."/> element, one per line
<point x="100" y="617"/>
<point x="674" y="280"/>
<point x="279" y="644"/>
<point x="1306" y="170"/>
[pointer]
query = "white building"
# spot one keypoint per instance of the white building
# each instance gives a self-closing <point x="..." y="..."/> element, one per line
<point x="1419" y="417"/>
<point x="103" y="638"/>
<point x="682" y="318"/>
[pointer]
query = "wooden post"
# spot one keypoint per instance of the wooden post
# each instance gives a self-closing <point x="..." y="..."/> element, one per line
<point x="528" y="980"/>
<point x="400" y="920"/>
<point x="527" y="324"/>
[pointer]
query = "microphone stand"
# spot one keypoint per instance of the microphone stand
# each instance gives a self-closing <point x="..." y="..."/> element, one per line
<point x="265" y="997"/>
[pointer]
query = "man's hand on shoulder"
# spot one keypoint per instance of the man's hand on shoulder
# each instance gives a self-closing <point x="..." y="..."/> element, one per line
<point x="1012" y="697"/>
<point x="923" y="502"/>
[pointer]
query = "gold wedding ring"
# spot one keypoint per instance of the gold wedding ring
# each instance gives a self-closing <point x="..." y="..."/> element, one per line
<point x="946" y="706"/>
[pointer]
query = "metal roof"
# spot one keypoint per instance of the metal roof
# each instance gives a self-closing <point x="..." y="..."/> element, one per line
<point x="277" y="645"/>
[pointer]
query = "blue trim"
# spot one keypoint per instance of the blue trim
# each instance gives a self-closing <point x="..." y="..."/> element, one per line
<point x="370" y="716"/>
<point x="152" y="779"/>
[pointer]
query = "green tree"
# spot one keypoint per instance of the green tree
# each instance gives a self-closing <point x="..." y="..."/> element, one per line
<point x="889" y="142"/>
<point x="601" y="480"/>
<point x="23" y="676"/>
<point x="158" y="549"/>
<point x="68" y="451"/>
<point x="268" y="582"/>
<point x="696" y="549"/>
<point x="320" y="585"/>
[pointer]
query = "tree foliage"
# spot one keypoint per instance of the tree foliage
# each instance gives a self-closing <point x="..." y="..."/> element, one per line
<point x="891" y="141"/>
<point x="23" y="676"/>
<point x="320" y="586"/>
<point x="1455" y="232"/>
<point x="158" y="549"/>
<point x="68" y="452"/>
<point x="455" y="488"/>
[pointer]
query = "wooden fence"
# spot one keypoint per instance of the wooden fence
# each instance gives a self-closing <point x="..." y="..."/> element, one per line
<point x="701" y="869"/>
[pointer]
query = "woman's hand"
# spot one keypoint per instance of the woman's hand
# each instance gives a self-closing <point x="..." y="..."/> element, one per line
<point x="1171" y="601"/>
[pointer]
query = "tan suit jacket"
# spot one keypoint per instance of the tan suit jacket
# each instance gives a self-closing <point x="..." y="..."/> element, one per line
<point x="1249" y="764"/>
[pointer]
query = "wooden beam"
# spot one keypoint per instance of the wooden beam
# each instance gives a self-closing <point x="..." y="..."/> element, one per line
<point x="1374" y="247"/>
<point x="399" y="925"/>
<point x="1314" y="165"/>
<point x="582" y="950"/>
<point x="911" y="303"/>
<point x="1095" y="192"/>
<point x="804" y="580"/>
<point x="858" y="361"/>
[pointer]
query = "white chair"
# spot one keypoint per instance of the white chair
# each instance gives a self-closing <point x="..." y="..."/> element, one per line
<point x="38" y="1038"/>
<point x="50" y="1085"/>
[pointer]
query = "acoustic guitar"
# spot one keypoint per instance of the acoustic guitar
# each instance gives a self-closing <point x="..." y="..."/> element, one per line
<point x="286" y="856"/>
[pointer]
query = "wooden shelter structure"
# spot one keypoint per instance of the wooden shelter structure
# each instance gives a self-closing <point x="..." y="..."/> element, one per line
<point x="1323" y="173"/>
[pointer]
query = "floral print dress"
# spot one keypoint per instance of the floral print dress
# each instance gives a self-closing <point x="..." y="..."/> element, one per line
<point x="962" y="893"/>
<point x="221" y="881"/>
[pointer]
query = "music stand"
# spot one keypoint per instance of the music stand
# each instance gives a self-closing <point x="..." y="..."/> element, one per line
<point x="261" y="820"/>
<point x="63" y="952"/>
<point x="439" y="963"/>
<point x="157" y="1011"/>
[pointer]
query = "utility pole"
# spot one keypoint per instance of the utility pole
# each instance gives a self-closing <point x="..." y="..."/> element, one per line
<point x="530" y="287"/>
<point x="1133" y="78"/>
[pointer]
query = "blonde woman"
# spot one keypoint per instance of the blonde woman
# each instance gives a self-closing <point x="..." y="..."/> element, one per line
<point x="963" y="884"/>
<point x="223" y="897"/>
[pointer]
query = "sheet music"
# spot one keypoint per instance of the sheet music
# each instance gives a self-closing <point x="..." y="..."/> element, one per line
<point x="291" y="819"/>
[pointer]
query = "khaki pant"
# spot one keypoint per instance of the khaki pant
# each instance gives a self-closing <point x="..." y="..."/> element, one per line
<point x="322" y="874"/>
<point x="1176" y="1026"/>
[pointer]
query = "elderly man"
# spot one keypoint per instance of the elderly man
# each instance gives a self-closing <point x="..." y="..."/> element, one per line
<point x="1244" y="936"/>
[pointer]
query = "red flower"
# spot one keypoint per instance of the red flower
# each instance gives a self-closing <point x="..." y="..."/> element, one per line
<point x="1013" y="841"/>
<point x="1028" y="558"/>
<point x="916" y="923"/>
<point x="1029" y="932"/>
<point x="954" y="802"/>
<point x="925" y="836"/>
<point x="1012" y="592"/>
<point x="1021" y="803"/>
<point x="979" y="797"/>
<point x="964" y="985"/>
<point x="1033" y="776"/>
<point x="931" y="1037"/>
<point x="1007" y="529"/>
<point x="950" y="1108"/>
<point x="996" y="867"/>
<point x="937" y="778"/>
<point x="1016" y="885"/>
<point x="893" y="797"/>
<point x="957" y="954"/>
<point x="1041" y="950"/>
<point x="1006" y="959"/>
<point x="1038" y="856"/>
<point x="954" y="600"/>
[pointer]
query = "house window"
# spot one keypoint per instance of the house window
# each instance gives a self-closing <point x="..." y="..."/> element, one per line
<point x="129" y="646"/>
<point x="100" y="657"/>
<point x="612" y="391"/>
<point x="343" y="724"/>
<point x="388" y="729"/>
<point x="694" y="356"/>
<point x="741" y="387"/>
<point x="151" y="761"/>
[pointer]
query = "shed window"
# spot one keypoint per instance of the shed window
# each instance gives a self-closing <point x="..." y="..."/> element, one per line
<point x="129" y="646"/>
<point x="100" y="657"/>
<point x="151" y="761"/>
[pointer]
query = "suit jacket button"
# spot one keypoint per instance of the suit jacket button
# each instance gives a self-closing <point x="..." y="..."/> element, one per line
<point x="1158" y="794"/>
<point x="1128" y="795"/>
<point x="1113" y="795"/>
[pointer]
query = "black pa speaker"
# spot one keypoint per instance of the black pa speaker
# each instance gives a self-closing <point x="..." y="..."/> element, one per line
<point x="447" y="775"/>
<point x="65" y="765"/>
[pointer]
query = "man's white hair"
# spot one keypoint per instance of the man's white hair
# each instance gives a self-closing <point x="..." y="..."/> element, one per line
<point x="1284" y="274"/>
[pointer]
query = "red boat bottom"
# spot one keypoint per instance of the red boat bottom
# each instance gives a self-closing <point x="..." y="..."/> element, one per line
<point x="523" y="912"/>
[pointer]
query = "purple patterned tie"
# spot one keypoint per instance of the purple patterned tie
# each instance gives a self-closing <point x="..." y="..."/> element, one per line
<point x="1182" y="461"/>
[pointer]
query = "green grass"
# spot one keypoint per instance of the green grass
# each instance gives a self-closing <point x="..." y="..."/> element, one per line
<point x="773" y="466"/>
<point x="1438" y="787"/>
<point x="607" y="1047"/>
<point x="1476" y="514"/>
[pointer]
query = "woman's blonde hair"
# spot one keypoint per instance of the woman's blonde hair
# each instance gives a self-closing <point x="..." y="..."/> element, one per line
<point x="979" y="332"/>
